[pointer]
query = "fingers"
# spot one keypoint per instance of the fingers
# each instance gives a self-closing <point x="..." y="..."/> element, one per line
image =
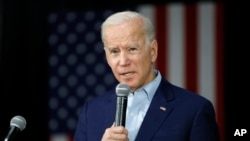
<point x="115" y="133"/>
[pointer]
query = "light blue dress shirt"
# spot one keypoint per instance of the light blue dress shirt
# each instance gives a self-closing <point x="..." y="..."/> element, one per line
<point x="137" y="106"/>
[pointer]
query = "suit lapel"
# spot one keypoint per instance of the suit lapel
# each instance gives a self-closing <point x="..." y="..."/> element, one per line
<point x="160" y="108"/>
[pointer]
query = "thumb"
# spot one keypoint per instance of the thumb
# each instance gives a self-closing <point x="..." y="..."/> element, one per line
<point x="113" y="125"/>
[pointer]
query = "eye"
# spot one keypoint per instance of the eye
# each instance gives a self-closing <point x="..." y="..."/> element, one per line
<point x="133" y="49"/>
<point x="114" y="51"/>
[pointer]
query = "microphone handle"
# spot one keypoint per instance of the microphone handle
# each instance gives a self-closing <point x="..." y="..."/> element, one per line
<point x="12" y="133"/>
<point x="121" y="108"/>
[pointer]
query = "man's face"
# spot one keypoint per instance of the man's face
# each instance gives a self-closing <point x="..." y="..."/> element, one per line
<point x="128" y="55"/>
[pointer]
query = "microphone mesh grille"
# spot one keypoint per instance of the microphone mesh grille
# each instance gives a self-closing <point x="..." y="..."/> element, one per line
<point x="19" y="122"/>
<point x="122" y="89"/>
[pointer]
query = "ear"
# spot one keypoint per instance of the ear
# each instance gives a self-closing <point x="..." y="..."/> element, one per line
<point x="154" y="51"/>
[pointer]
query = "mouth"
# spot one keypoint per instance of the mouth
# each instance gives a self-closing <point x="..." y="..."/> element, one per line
<point x="127" y="74"/>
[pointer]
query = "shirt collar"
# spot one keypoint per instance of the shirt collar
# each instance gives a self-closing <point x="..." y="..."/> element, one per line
<point x="151" y="87"/>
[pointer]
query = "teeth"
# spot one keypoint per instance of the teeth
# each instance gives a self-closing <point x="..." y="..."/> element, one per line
<point x="127" y="74"/>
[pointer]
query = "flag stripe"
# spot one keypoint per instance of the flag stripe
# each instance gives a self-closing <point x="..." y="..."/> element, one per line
<point x="206" y="51"/>
<point x="175" y="53"/>
<point x="191" y="47"/>
<point x="219" y="68"/>
<point x="160" y="25"/>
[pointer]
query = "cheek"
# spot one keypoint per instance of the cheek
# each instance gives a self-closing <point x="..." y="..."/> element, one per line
<point x="142" y="63"/>
<point x="146" y="58"/>
<point x="108" y="60"/>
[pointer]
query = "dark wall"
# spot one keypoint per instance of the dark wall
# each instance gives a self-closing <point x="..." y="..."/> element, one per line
<point x="23" y="67"/>
<point x="23" y="63"/>
<point x="236" y="70"/>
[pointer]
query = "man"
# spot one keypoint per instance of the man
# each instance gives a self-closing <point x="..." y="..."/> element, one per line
<point x="157" y="110"/>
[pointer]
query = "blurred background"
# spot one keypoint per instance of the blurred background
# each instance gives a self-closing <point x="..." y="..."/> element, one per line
<point x="52" y="59"/>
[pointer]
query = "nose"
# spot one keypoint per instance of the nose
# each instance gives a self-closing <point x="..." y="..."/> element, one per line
<point x="124" y="58"/>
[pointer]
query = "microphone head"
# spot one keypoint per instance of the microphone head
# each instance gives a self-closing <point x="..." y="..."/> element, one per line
<point x="19" y="122"/>
<point x="122" y="89"/>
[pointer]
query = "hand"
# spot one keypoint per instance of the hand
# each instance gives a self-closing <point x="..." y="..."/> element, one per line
<point x="115" y="133"/>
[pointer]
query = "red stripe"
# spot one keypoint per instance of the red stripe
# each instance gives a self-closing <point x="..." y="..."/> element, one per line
<point x="161" y="30"/>
<point x="190" y="47"/>
<point x="219" y="68"/>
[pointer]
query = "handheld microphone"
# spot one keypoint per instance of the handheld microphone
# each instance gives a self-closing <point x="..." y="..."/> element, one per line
<point x="122" y="91"/>
<point x="17" y="124"/>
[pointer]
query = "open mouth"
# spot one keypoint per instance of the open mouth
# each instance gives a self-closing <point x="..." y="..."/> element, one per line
<point x="127" y="74"/>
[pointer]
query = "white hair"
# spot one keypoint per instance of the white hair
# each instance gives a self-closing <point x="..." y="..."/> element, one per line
<point x="123" y="16"/>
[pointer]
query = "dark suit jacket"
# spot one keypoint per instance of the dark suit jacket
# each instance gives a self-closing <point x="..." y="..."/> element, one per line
<point x="185" y="116"/>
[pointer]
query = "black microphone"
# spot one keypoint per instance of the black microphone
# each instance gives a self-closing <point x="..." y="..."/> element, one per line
<point x="17" y="124"/>
<point x="122" y="91"/>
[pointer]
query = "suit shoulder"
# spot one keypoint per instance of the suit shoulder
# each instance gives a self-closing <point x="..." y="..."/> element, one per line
<point x="103" y="97"/>
<point x="180" y="93"/>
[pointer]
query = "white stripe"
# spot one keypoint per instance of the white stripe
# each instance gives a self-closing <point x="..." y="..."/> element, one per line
<point x="176" y="44"/>
<point x="206" y="53"/>
<point x="148" y="10"/>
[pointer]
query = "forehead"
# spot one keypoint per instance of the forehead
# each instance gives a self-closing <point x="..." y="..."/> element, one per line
<point x="128" y="31"/>
<point x="126" y="25"/>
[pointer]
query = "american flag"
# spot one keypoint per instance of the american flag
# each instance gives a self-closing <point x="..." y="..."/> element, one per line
<point x="190" y="38"/>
